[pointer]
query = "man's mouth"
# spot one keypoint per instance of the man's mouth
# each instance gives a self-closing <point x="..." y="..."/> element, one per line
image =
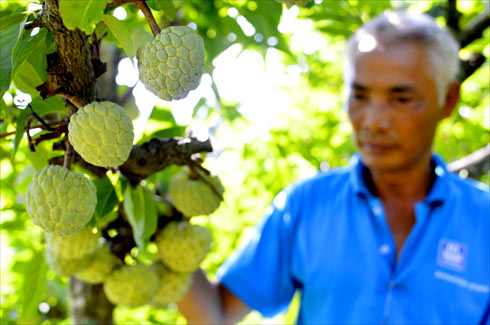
<point x="377" y="147"/>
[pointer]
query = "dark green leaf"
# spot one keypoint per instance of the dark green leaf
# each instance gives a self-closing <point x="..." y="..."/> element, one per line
<point x="34" y="284"/>
<point x="12" y="19"/>
<point x="106" y="197"/>
<point x="141" y="211"/>
<point x="166" y="5"/>
<point x="121" y="33"/>
<point x="82" y="14"/>
<point x="21" y="125"/>
<point x="8" y="40"/>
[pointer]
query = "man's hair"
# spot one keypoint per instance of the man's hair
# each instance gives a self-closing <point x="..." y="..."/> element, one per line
<point x="398" y="26"/>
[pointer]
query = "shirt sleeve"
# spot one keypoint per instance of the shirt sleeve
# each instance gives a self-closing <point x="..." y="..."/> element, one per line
<point x="259" y="272"/>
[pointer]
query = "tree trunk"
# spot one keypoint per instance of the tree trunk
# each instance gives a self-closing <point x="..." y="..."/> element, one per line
<point x="89" y="305"/>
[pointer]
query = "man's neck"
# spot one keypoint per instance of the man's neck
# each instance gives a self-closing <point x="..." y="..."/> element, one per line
<point x="409" y="185"/>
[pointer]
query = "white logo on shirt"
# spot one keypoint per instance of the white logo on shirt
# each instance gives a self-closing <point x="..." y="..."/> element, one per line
<point x="452" y="254"/>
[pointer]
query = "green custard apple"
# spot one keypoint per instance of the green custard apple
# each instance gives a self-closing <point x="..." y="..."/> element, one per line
<point x="65" y="266"/>
<point x="60" y="201"/>
<point x="183" y="246"/>
<point x="132" y="286"/>
<point x="171" y="64"/>
<point x="100" y="266"/>
<point x="102" y="133"/>
<point x="75" y="245"/>
<point x="195" y="197"/>
<point x="173" y="285"/>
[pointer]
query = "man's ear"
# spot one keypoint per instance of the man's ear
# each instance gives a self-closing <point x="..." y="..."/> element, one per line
<point x="451" y="100"/>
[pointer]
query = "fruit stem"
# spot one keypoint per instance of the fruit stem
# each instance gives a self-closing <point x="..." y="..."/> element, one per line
<point x="69" y="154"/>
<point x="75" y="100"/>
<point x="143" y="6"/>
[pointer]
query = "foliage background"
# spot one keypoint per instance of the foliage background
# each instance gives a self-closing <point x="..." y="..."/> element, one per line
<point x="299" y="128"/>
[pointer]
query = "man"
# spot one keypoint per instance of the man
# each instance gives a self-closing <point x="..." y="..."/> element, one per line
<point x="393" y="237"/>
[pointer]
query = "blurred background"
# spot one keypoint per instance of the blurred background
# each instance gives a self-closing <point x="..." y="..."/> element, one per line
<point x="270" y="101"/>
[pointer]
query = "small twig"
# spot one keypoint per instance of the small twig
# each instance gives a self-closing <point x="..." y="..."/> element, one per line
<point x="45" y="125"/>
<point x="143" y="6"/>
<point x="69" y="154"/>
<point x="28" y="127"/>
<point x="4" y="135"/>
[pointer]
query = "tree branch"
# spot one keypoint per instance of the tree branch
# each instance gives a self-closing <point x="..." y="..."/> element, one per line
<point x="475" y="29"/>
<point x="452" y="16"/>
<point x="468" y="67"/>
<point x="157" y="154"/>
<point x="476" y="163"/>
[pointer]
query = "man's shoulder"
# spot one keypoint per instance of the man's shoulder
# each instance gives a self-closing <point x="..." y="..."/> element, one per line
<point x="468" y="188"/>
<point x="322" y="181"/>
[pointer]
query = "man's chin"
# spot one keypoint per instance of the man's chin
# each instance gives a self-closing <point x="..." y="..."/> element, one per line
<point x="386" y="162"/>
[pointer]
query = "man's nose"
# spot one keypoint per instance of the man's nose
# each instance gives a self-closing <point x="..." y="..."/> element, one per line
<point x="376" y="116"/>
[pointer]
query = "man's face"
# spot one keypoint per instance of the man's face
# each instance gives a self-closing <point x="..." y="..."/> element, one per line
<point x="393" y="106"/>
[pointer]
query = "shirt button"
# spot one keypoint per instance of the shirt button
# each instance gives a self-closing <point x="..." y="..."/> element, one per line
<point x="384" y="249"/>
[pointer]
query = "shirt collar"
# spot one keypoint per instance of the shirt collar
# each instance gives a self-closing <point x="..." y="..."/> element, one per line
<point x="437" y="193"/>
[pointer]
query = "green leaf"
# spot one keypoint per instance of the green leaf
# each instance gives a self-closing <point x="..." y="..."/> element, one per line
<point x="82" y="14"/>
<point x="106" y="197"/>
<point x="49" y="105"/>
<point x="12" y="19"/>
<point x="8" y="40"/>
<point x="19" y="132"/>
<point x="34" y="284"/>
<point x="37" y="44"/>
<point x="121" y="33"/>
<point x="166" y="5"/>
<point x="141" y="211"/>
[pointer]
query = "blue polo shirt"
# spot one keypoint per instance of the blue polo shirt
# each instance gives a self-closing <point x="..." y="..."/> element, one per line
<point x="328" y="238"/>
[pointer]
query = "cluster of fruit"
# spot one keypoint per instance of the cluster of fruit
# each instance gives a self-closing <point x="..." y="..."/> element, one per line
<point x="62" y="202"/>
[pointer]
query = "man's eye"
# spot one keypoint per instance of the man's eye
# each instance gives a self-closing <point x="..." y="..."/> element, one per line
<point x="403" y="99"/>
<point x="358" y="96"/>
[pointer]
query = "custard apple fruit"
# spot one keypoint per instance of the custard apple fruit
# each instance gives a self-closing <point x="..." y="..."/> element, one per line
<point x="173" y="285"/>
<point x="66" y="266"/>
<point x="100" y="266"/>
<point x="171" y="64"/>
<point x="183" y="246"/>
<point x="102" y="133"/>
<point x="132" y="286"/>
<point x="75" y="245"/>
<point x="195" y="197"/>
<point x="60" y="201"/>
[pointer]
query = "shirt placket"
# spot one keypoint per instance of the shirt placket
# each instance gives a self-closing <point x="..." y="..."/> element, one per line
<point x="388" y="247"/>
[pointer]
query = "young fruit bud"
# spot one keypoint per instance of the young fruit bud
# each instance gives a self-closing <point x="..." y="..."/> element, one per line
<point x="60" y="201"/>
<point x="183" y="246"/>
<point x="102" y="133"/>
<point x="171" y="64"/>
